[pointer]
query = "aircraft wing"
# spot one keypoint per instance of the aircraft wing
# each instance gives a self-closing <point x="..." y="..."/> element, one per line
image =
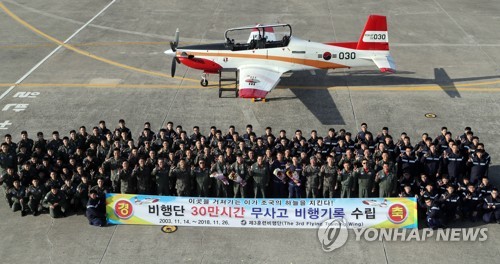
<point x="257" y="81"/>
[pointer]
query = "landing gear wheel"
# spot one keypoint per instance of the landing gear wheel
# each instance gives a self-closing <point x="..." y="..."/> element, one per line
<point x="204" y="82"/>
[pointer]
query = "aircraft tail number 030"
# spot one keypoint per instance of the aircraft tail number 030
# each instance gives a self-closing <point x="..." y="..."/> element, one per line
<point x="375" y="36"/>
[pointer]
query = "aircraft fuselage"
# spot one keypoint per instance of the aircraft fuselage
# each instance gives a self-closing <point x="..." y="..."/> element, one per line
<point x="298" y="55"/>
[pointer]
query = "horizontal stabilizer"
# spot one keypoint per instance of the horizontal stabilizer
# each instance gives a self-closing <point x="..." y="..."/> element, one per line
<point x="385" y="63"/>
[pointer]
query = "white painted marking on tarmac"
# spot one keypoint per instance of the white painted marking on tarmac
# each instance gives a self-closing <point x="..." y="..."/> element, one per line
<point x="26" y="94"/>
<point x="5" y="124"/>
<point x="17" y="107"/>
<point x="7" y="106"/>
<point x="54" y="51"/>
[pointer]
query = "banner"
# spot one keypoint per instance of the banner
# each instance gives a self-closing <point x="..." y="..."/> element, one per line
<point x="263" y="213"/>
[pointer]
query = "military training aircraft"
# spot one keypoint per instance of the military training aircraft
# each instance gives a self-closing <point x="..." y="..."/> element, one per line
<point x="266" y="55"/>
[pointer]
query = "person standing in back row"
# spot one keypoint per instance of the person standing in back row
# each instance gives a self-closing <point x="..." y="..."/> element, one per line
<point x="314" y="181"/>
<point x="329" y="174"/>
<point x="346" y="177"/>
<point x="386" y="181"/>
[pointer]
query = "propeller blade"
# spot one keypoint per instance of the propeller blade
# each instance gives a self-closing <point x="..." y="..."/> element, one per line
<point x="176" y="38"/>
<point x="174" y="65"/>
<point x="173" y="44"/>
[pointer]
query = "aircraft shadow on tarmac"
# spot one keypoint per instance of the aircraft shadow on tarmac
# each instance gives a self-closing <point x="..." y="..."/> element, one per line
<point x="322" y="105"/>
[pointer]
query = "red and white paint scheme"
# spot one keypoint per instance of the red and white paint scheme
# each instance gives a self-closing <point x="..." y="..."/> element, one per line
<point x="266" y="55"/>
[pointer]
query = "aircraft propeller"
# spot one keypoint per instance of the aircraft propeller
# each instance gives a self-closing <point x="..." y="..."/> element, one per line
<point x="173" y="47"/>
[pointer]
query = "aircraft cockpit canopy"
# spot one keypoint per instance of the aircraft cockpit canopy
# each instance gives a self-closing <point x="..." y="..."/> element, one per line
<point x="258" y="37"/>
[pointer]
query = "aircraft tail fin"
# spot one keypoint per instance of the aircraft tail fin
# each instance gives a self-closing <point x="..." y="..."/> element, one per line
<point x="258" y="30"/>
<point x="375" y="35"/>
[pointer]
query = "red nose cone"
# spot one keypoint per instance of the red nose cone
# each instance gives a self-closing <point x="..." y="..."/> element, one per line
<point x="252" y="93"/>
<point x="206" y="65"/>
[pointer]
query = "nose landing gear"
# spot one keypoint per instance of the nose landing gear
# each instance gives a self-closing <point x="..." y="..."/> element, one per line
<point x="204" y="81"/>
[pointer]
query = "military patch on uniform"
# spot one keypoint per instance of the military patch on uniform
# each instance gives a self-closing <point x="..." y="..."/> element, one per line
<point x="430" y="115"/>
<point x="168" y="229"/>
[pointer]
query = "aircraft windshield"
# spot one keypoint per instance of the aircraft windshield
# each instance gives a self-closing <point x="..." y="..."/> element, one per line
<point x="258" y="37"/>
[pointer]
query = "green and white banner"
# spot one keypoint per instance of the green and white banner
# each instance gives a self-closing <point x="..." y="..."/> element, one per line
<point x="263" y="213"/>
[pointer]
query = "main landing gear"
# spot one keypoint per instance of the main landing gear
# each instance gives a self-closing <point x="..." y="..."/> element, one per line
<point x="259" y="100"/>
<point x="204" y="81"/>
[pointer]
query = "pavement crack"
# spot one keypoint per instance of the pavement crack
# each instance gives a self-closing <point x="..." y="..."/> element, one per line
<point x="385" y="253"/>
<point x="201" y="246"/>
<point x="107" y="246"/>
<point x="331" y="20"/>
<point x="348" y="86"/>
<point x="174" y="99"/>
<point x="48" y="239"/>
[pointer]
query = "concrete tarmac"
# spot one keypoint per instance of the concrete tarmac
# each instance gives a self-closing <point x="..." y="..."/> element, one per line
<point x="447" y="55"/>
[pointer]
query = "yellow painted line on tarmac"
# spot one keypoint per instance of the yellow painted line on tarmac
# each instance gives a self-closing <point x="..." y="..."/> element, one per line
<point x="331" y="88"/>
<point x="86" y="53"/>
<point x="477" y="83"/>
<point x="395" y="89"/>
<point x="105" y="85"/>
<point x="414" y="89"/>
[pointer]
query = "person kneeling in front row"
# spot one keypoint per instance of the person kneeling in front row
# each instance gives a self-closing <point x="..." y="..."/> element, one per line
<point x="96" y="211"/>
